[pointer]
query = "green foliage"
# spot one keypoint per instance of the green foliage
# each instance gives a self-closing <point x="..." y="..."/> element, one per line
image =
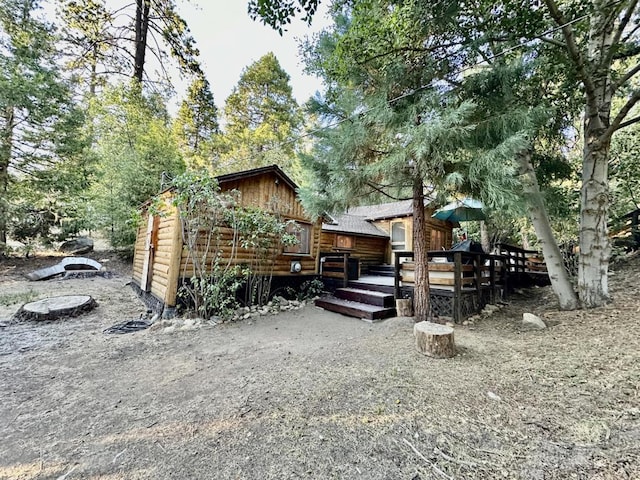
<point x="196" y="124"/>
<point x="309" y="290"/>
<point x="213" y="294"/>
<point x="262" y="119"/>
<point x="103" y="40"/>
<point x="278" y="13"/>
<point x="37" y="119"/>
<point x="136" y="152"/>
<point x="264" y="234"/>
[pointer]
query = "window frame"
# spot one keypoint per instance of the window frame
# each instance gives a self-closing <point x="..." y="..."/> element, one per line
<point x="302" y="226"/>
<point x="352" y="241"/>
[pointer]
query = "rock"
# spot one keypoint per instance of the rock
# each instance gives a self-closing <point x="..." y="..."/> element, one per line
<point x="189" y="322"/>
<point x="246" y="316"/>
<point x="530" y="319"/>
<point x="489" y="309"/>
<point x="169" y="329"/>
<point x="77" y="245"/>
<point x="280" y="301"/>
<point x="493" y="396"/>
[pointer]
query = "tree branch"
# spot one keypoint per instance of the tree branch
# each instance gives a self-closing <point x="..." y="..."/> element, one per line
<point x="622" y="25"/>
<point x="631" y="121"/>
<point x="624" y="79"/>
<point x="574" y="51"/>
<point x="553" y="41"/>
<point x="617" y="122"/>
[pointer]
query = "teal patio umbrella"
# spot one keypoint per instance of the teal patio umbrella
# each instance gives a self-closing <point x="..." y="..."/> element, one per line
<point x="463" y="210"/>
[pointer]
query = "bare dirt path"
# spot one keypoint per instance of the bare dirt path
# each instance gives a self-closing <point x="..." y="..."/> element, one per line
<point x="312" y="394"/>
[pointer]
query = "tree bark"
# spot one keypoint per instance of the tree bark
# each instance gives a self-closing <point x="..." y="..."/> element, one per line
<point x="6" y="147"/>
<point x="434" y="340"/>
<point x="538" y="214"/>
<point x="421" y="306"/>
<point x="141" y="29"/>
<point x="593" y="261"/>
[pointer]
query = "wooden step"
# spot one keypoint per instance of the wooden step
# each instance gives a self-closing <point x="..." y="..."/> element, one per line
<point x="371" y="297"/>
<point x="355" y="309"/>
<point x="382" y="270"/>
<point x="371" y="286"/>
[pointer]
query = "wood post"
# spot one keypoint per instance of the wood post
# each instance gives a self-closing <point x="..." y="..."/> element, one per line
<point x="457" y="287"/>
<point x="434" y="340"/>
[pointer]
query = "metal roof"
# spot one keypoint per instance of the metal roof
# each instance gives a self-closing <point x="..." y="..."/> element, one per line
<point x="345" y="223"/>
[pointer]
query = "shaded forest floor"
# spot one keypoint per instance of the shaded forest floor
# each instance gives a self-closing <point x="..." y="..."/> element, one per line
<point x="312" y="394"/>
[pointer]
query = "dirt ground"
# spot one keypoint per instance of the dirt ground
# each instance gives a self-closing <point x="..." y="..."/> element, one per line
<point x="312" y="394"/>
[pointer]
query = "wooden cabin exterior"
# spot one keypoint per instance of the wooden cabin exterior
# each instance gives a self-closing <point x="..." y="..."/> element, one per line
<point x="396" y="220"/>
<point x="162" y="261"/>
<point x="354" y="235"/>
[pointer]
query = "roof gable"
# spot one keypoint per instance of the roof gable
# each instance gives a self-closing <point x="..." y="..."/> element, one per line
<point x="345" y="223"/>
<point x="255" y="172"/>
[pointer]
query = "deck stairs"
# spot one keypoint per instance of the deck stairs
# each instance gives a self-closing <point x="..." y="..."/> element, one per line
<point x="361" y="301"/>
<point x="382" y="270"/>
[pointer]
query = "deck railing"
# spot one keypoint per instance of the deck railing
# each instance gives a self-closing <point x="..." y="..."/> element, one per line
<point x="335" y="266"/>
<point x="454" y="277"/>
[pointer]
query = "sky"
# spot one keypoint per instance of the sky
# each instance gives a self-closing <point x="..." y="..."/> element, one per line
<point x="229" y="41"/>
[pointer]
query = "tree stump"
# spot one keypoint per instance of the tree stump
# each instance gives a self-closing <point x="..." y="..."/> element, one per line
<point x="434" y="340"/>
<point x="56" y="307"/>
<point x="404" y="307"/>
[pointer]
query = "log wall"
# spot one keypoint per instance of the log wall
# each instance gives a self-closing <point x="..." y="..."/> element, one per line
<point x="432" y="223"/>
<point x="171" y="261"/>
<point x="162" y="268"/>
<point x="369" y="250"/>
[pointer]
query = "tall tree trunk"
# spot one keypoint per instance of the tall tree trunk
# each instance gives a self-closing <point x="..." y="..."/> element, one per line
<point x="421" y="305"/>
<point x="538" y="214"/>
<point x="141" y="28"/>
<point x="6" y="144"/>
<point x="593" y="287"/>
<point x="484" y="237"/>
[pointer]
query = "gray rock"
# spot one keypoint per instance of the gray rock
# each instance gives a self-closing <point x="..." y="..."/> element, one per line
<point x="77" y="245"/>
<point x="529" y="319"/>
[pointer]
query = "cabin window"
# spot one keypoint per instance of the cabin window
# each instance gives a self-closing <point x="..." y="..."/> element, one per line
<point x="345" y="241"/>
<point x="437" y="240"/>
<point x="398" y="236"/>
<point x="302" y="232"/>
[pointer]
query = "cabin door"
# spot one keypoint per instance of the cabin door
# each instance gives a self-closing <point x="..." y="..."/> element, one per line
<point x="149" y="248"/>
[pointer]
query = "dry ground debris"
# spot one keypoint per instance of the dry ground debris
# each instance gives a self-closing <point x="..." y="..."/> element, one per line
<point x="312" y="394"/>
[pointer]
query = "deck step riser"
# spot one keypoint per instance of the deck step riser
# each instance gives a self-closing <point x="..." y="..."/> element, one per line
<point x="368" y="286"/>
<point x="353" y="309"/>
<point x="372" y="298"/>
<point x="381" y="273"/>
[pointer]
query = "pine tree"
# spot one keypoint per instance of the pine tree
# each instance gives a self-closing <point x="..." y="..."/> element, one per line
<point x="33" y="98"/>
<point x="262" y="118"/>
<point x="196" y="124"/>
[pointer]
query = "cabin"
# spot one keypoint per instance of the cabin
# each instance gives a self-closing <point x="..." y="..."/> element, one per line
<point x="367" y="264"/>
<point x="162" y="262"/>
<point x="371" y="234"/>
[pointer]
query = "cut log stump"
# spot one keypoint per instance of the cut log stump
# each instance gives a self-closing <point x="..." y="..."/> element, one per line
<point x="56" y="307"/>
<point x="434" y="340"/>
<point x="404" y="307"/>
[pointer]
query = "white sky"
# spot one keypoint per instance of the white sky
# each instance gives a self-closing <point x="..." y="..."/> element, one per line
<point x="229" y="41"/>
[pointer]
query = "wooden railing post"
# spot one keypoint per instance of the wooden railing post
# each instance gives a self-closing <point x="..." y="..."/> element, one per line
<point x="396" y="277"/>
<point x="492" y="279"/>
<point x="477" y="261"/>
<point x="345" y="260"/>
<point x="457" y="287"/>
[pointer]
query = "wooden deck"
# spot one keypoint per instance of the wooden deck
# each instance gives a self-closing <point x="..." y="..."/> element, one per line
<point x="460" y="283"/>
